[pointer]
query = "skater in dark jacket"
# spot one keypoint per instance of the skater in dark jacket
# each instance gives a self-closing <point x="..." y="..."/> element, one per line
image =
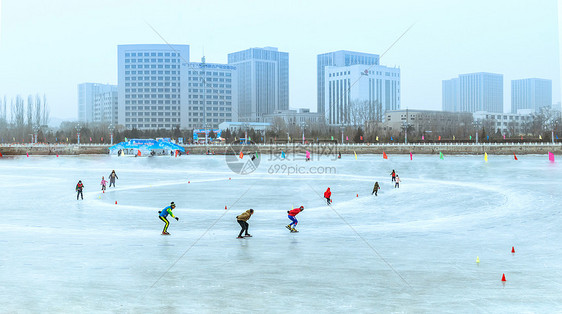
<point x="327" y="196"/>
<point x="112" y="177"/>
<point x="376" y="188"/>
<point x="292" y="213"/>
<point x="243" y="221"/>
<point x="393" y="174"/>
<point x="163" y="214"/>
<point x="79" y="188"/>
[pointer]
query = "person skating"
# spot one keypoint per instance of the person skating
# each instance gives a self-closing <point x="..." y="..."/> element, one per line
<point x="243" y="221"/>
<point x="393" y="174"/>
<point x="103" y="184"/>
<point x="292" y="213"/>
<point x="112" y="177"/>
<point x="163" y="214"/>
<point x="327" y="196"/>
<point x="79" y="188"/>
<point x="397" y="184"/>
<point x="376" y="188"/>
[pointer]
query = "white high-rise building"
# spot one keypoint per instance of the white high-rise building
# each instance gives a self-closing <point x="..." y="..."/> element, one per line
<point x="153" y="86"/>
<point x="339" y="58"/>
<point x="97" y="102"/>
<point x="220" y="95"/>
<point x="531" y="93"/>
<point x="263" y="81"/>
<point x="476" y="92"/>
<point x="358" y="93"/>
<point x="451" y="95"/>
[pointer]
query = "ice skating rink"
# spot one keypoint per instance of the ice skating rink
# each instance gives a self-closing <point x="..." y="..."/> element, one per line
<point x="411" y="249"/>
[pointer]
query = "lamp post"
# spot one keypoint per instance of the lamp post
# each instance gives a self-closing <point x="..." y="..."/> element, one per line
<point x="111" y="128"/>
<point x="35" y="131"/>
<point x="78" y="128"/>
<point x="342" y="128"/>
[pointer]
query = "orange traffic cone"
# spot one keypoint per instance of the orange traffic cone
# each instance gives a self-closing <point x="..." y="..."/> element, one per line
<point x="503" y="277"/>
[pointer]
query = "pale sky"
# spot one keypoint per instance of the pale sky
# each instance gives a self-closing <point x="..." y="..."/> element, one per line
<point x="51" y="46"/>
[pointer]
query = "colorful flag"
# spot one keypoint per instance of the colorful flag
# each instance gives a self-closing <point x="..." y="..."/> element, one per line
<point x="384" y="155"/>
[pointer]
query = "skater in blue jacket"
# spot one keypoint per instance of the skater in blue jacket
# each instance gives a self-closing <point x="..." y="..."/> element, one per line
<point x="164" y="213"/>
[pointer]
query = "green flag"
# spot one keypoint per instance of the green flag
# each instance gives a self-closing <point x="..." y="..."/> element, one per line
<point x="441" y="155"/>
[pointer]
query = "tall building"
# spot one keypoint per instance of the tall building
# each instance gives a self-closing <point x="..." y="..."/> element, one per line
<point x="263" y="81"/>
<point x="354" y="94"/>
<point x="339" y="58"/>
<point x="451" y="95"/>
<point x="220" y="95"/>
<point x="531" y="93"/>
<point x="476" y="92"/>
<point x="152" y="82"/>
<point x="97" y="102"/>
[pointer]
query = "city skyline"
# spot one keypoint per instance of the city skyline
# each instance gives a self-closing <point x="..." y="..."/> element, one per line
<point x="52" y="56"/>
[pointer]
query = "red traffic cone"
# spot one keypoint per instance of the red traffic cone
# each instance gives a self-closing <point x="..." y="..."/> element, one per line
<point x="224" y="207"/>
<point x="115" y="202"/>
<point x="229" y="178"/>
<point x="512" y="249"/>
<point x="188" y="181"/>
<point x="103" y="191"/>
<point x="357" y="195"/>
<point x="503" y="277"/>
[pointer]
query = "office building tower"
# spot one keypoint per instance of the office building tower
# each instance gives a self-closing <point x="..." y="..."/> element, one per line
<point x="263" y="81"/>
<point x="339" y="59"/>
<point x="531" y="93"/>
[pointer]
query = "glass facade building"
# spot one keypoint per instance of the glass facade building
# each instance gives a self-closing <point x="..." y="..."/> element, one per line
<point x="473" y="92"/>
<point x="97" y="103"/>
<point x="263" y="81"/>
<point x="531" y="93"/>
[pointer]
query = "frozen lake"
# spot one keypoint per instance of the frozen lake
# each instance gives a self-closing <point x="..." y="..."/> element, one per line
<point x="411" y="249"/>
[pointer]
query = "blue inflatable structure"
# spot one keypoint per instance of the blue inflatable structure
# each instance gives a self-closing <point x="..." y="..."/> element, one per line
<point x="147" y="147"/>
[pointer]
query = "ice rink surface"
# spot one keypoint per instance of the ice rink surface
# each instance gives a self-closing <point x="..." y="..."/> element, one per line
<point x="411" y="249"/>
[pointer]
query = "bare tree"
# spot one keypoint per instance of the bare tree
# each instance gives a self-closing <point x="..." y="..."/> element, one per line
<point x="29" y="111"/>
<point x="38" y="115"/>
<point x="46" y="113"/>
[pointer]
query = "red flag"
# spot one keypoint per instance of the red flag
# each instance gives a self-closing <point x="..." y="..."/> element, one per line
<point x="1" y="155"/>
<point x="384" y="155"/>
<point x="361" y="137"/>
<point x="241" y="155"/>
<point x="138" y="153"/>
<point x="439" y="137"/>
<point x="515" y="156"/>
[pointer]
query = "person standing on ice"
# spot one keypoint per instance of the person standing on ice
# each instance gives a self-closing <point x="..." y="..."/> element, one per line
<point x="79" y="188"/>
<point x="292" y="213"/>
<point x="376" y="188"/>
<point x="243" y="221"/>
<point x="397" y="184"/>
<point x="393" y="174"/>
<point x="163" y="214"/>
<point x="112" y="177"/>
<point x="103" y="184"/>
<point x="327" y="196"/>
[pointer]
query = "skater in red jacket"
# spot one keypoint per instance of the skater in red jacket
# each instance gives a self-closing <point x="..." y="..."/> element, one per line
<point x="292" y="213"/>
<point x="327" y="196"/>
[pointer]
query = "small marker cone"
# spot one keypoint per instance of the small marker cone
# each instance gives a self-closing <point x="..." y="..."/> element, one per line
<point x="477" y="259"/>
<point x="103" y="191"/>
<point x="229" y="178"/>
<point x="224" y="207"/>
<point x="357" y="195"/>
<point x="512" y="249"/>
<point x="188" y="181"/>
<point x="503" y="277"/>
<point x="115" y="202"/>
